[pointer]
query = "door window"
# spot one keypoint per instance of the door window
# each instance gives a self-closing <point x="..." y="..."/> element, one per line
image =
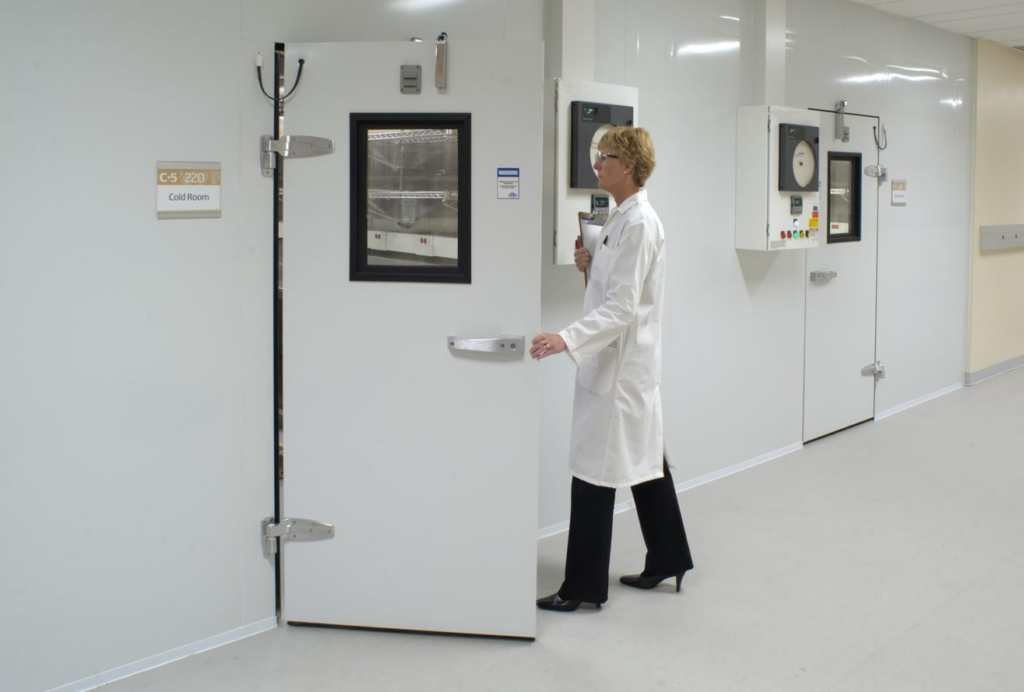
<point x="410" y="176"/>
<point x="844" y="179"/>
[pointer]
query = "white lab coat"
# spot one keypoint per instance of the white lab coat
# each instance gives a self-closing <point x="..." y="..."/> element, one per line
<point x="617" y="435"/>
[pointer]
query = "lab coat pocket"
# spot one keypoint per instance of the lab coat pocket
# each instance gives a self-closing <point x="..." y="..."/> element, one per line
<point x="598" y="373"/>
<point x="601" y="266"/>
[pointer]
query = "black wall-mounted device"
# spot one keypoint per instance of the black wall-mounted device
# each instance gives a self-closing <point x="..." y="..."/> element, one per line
<point x="798" y="158"/>
<point x="587" y="119"/>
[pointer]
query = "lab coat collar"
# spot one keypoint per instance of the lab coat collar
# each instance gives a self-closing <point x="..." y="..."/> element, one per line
<point x="640" y="196"/>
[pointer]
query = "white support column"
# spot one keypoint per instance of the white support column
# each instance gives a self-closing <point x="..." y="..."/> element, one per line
<point x="570" y="40"/>
<point x="770" y="52"/>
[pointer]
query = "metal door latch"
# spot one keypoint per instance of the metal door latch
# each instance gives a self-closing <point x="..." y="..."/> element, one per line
<point x="293" y="530"/>
<point x="441" y="61"/>
<point x="291" y="147"/>
<point x="876" y="369"/>
<point x="817" y="277"/>
<point x="842" y="131"/>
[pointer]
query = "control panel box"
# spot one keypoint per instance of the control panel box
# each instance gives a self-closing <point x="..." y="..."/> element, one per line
<point x="778" y="178"/>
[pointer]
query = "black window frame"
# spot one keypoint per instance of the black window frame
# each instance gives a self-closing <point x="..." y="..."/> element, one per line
<point x="856" y="181"/>
<point x="359" y="267"/>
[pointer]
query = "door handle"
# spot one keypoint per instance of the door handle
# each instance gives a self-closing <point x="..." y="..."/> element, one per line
<point x="817" y="277"/>
<point x="500" y="345"/>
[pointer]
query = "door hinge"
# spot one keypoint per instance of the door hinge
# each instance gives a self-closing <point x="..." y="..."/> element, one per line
<point x="876" y="369"/>
<point x="291" y="147"/>
<point x="293" y="530"/>
<point x="876" y="172"/>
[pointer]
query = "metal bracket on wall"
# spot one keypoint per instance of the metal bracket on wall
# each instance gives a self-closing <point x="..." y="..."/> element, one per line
<point x="410" y="79"/>
<point x="1003" y="237"/>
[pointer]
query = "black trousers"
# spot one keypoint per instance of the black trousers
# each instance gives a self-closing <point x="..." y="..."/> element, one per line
<point x="590" y="535"/>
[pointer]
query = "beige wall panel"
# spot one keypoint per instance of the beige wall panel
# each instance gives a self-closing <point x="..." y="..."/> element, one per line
<point x="997" y="278"/>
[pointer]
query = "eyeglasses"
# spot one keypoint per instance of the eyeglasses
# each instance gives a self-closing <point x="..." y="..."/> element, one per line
<point x="602" y="157"/>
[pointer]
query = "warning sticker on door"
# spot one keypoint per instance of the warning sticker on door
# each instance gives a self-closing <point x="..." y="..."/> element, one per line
<point x="508" y="183"/>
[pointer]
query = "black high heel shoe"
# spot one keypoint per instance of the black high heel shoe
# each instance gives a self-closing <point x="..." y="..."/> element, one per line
<point x="639" y="581"/>
<point x="556" y="602"/>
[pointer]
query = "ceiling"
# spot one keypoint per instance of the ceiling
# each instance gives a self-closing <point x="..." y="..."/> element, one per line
<point x="994" y="20"/>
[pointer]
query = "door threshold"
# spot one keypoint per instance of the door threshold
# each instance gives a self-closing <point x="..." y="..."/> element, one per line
<point x="836" y="432"/>
<point x="397" y="630"/>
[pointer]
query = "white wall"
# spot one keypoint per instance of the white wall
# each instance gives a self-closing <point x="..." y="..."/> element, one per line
<point x="135" y="354"/>
<point x="392" y="20"/>
<point x="733" y="372"/>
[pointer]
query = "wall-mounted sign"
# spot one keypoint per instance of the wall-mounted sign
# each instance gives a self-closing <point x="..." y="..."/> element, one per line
<point x="187" y="190"/>
<point x="899" y="193"/>
<point x="508" y="183"/>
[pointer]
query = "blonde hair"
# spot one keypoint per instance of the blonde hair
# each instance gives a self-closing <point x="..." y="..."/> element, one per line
<point x="635" y="148"/>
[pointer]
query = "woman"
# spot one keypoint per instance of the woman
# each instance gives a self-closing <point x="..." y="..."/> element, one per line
<point x="617" y="439"/>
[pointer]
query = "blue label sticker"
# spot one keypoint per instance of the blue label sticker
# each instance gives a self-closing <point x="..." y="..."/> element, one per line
<point x="508" y="183"/>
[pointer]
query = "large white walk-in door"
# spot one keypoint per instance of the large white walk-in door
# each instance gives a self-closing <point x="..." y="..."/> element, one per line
<point x="423" y="456"/>
<point x="839" y="372"/>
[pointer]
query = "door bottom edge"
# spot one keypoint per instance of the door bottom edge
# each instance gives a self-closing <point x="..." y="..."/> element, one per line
<point x="401" y="630"/>
<point x="822" y="436"/>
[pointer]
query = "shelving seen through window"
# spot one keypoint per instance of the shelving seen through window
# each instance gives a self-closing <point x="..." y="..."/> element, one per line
<point x="410" y="178"/>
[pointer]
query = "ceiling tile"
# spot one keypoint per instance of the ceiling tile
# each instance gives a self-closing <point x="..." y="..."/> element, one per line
<point x="920" y="9"/>
<point x="989" y="23"/>
<point x="967" y="14"/>
<point x="1011" y="37"/>
<point x="995" y="20"/>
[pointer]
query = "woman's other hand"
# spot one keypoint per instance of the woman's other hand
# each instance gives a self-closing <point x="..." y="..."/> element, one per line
<point x="582" y="257"/>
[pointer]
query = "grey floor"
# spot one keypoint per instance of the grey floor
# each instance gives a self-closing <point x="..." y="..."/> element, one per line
<point x="888" y="557"/>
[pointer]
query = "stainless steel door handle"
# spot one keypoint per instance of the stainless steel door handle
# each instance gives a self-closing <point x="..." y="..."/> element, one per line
<point x="500" y="345"/>
<point x="822" y="276"/>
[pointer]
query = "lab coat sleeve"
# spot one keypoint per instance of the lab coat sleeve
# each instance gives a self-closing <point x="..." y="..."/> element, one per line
<point x="605" y="323"/>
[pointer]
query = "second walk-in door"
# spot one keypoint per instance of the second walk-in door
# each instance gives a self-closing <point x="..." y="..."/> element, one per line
<point x="839" y="364"/>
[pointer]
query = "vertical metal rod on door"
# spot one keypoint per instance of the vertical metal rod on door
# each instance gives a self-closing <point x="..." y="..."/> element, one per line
<point x="278" y="308"/>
